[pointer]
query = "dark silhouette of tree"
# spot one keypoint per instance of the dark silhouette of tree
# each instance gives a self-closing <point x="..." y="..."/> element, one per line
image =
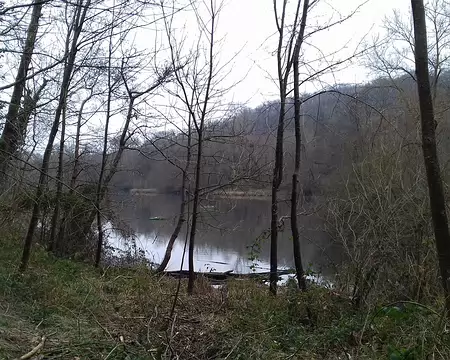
<point x="431" y="159"/>
<point x="298" y="144"/>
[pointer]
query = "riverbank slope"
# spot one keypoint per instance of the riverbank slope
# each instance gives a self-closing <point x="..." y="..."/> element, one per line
<point x="85" y="313"/>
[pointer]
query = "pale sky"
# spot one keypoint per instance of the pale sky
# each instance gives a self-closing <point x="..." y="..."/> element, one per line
<point x="249" y="25"/>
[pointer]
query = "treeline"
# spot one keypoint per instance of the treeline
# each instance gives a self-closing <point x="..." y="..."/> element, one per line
<point x="340" y="127"/>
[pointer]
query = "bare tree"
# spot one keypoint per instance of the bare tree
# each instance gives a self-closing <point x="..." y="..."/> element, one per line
<point x="199" y="124"/>
<point x="286" y="52"/>
<point x="298" y="143"/>
<point x="291" y="38"/>
<point x="74" y="32"/>
<point x="59" y="181"/>
<point x="105" y="177"/>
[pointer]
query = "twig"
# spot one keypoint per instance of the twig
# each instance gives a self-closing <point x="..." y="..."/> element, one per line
<point x="154" y="316"/>
<point x="101" y="326"/>
<point x="35" y="350"/>
<point x="40" y="323"/>
<point x="234" y="348"/>
<point x="110" y="353"/>
<point x="170" y="338"/>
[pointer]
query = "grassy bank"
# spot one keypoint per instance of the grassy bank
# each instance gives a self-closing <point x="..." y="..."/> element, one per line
<point x="87" y="313"/>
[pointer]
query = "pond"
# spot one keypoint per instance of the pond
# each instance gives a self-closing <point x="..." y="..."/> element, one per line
<point x="232" y="234"/>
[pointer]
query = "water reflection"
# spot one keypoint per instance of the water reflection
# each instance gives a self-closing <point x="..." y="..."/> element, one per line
<point x="227" y="230"/>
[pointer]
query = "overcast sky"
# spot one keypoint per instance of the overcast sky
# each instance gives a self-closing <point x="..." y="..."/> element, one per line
<point x="248" y="26"/>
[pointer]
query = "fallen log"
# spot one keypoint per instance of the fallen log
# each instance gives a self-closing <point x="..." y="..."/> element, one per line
<point x="211" y="275"/>
<point x="220" y="276"/>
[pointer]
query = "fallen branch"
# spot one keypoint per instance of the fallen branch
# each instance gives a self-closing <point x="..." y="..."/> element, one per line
<point x="35" y="350"/>
<point x="227" y="274"/>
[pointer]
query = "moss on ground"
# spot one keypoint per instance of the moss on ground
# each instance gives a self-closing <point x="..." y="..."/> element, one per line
<point x="87" y="313"/>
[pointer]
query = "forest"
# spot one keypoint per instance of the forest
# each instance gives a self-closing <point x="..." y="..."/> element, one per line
<point x="309" y="225"/>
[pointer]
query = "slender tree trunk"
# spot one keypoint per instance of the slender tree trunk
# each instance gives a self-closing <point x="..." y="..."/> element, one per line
<point x="184" y="200"/>
<point x="79" y="17"/>
<point x="99" y="196"/>
<point x="285" y="58"/>
<point x="74" y="176"/>
<point x="298" y="143"/>
<point x="76" y="156"/>
<point x="59" y="185"/>
<point x="12" y="135"/>
<point x="195" y="208"/>
<point x="276" y="182"/>
<point x="200" y="128"/>
<point x="277" y="176"/>
<point x="104" y="181"/>
<point x="115" y="162"/>
<point x="435" y="186"/>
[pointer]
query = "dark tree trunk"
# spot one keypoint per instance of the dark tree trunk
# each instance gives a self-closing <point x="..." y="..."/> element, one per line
<point x="200" y="128"/>
<point x="100" y="193"/>
<point x="435" y="186"/>
<point x="78" y="23"/>
<point x="173" y="237"/>
<point x="105" y="180"/>
<point x="285" y="58"/>
<point x="75" y="172"/>
<point x="13" y="134"/>
<point x="276" y="182"/>
<point x="76" y="156"/>
<point x="298" y="143"/>
<point x="184" y="200"/>
<point x="195" y="209"/>
<point x="59" y="184"/>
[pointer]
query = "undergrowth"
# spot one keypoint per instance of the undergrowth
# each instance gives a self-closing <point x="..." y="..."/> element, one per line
<point x="112" y="313"/>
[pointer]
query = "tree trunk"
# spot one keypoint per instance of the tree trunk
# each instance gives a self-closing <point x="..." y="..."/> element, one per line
<point x="435" y="186"/>
<point x="298" y="143"/>
<point x="75" y="173"/>
<point x="184" y="200"/>
<point x="276" y="182"/>
<point x="76" y="156"/>
<point x="277" y="176"/>
<point x="200" y="128"/>
<point x="100" y="193"/>
<point x="59" y="184"/>
<point x="79" y="17"/>
<point x="195" y="207"/>
<point x="12" y="135"/>
<point x="124" y="137"/>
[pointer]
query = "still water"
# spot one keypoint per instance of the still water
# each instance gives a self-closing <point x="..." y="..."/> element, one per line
<point x="228" y="230"/>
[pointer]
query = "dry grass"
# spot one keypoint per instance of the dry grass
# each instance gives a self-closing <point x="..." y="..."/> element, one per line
<point x="124" y="314"/>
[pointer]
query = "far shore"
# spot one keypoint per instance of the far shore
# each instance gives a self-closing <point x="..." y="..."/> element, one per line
<point x="233" y="194"/>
